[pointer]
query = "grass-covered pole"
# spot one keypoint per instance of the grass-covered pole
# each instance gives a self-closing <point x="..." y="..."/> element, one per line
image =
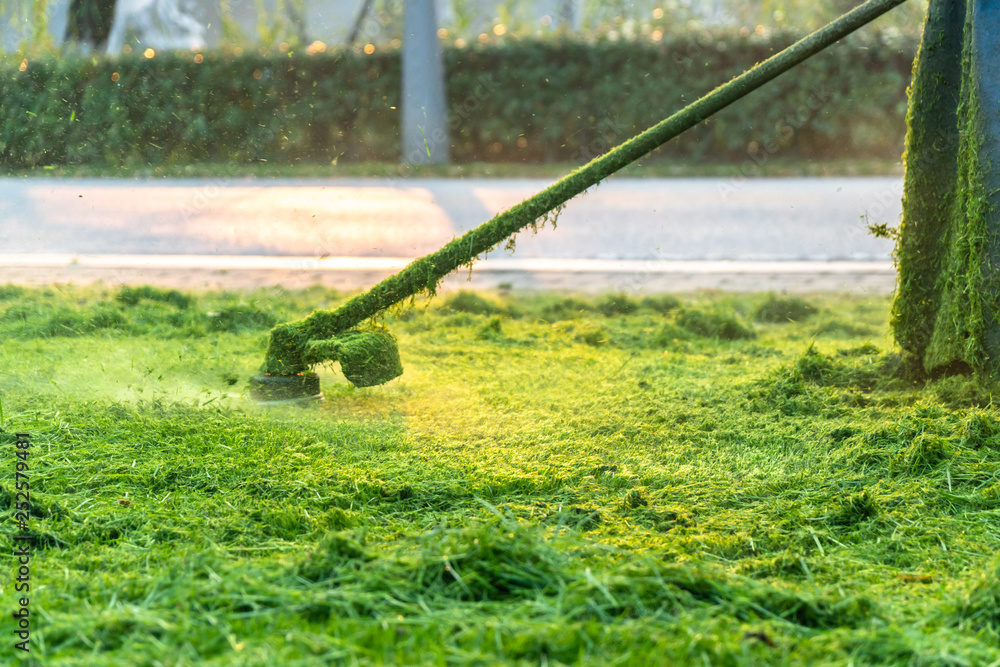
<point x="931" y="161"/>
<point x="289" y="352"/>
<point x="946" y="314"/>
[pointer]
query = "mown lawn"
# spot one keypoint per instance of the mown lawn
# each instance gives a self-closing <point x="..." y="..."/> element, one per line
<point x="692" y="480"/>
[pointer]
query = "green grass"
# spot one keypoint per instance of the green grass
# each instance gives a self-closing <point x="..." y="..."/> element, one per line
<point x="651" y="168"/>
<point x="554" y="479"/>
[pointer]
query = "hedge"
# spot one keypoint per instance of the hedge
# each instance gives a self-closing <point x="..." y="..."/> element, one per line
<point x="516" y="101"/>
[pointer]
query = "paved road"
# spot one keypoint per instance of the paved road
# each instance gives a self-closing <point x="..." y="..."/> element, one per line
<point x="648" y="226"/>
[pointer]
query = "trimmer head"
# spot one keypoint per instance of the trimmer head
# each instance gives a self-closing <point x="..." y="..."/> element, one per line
<point x="367" y="357"/>
<point x="279" y="389"/>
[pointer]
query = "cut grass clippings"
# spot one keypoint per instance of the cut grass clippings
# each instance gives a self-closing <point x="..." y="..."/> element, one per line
<point x="555" y="479"/>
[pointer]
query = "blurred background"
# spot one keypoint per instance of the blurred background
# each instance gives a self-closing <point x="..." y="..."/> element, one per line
<point x="319" y="81"/>
<point x="41" y="24"/>
<point x="184" y="114"/>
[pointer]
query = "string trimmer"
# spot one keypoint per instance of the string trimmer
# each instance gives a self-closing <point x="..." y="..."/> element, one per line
<point x="369" y="356"/>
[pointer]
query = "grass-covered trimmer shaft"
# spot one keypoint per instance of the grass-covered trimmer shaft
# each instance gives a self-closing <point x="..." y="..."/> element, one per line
<point x="373" y="358"/>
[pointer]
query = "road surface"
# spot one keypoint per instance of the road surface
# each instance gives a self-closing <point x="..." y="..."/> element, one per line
<point x="795" y="234"/>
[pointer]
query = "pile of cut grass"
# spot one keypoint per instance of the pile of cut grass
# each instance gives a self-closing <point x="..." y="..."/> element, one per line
<point x="554" y="479"/>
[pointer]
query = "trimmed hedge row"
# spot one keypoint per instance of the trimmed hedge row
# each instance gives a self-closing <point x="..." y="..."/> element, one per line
<point x="519" y="101"/>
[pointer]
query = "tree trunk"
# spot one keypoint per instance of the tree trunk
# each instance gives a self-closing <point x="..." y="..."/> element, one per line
<point x="945" y="312"/>
<point x="89" y="23"/>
